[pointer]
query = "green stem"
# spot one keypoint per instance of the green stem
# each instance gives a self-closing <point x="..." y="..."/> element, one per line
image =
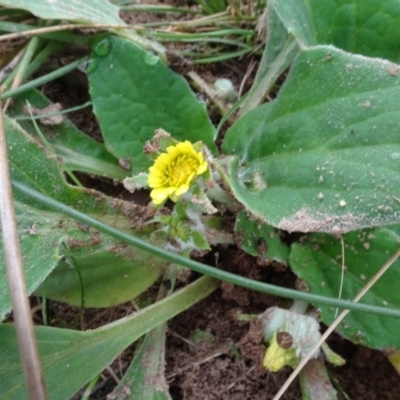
<point x="198" y="267"/>
<point x="90" y="387"/>
<point x="299" y="306"/>
<point x="230" y="112"/>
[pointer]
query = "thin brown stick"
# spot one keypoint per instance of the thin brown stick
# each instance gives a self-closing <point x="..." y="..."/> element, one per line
<point x="15" y="272"/>
<point x="337" y="321"/>
<point x="246" y="76"/>
<point x="65" y="27"/>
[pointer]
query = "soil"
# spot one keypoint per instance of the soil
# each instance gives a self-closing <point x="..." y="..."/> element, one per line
<point x="227" y="362"/>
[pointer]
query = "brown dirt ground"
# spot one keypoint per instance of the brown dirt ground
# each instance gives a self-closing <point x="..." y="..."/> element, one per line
<point x="229" y="364"/>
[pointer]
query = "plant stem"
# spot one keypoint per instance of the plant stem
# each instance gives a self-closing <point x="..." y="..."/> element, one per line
<point x="199" y="267"/>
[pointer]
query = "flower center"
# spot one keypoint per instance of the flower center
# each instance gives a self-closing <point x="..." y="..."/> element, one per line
<point x="180" y="170"/>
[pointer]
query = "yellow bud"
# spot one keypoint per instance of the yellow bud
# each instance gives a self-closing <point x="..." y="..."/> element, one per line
<point x="277" y="357"/>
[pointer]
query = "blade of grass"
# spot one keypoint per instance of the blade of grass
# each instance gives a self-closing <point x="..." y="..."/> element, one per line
<point x="21" y="69"/>
<point x="46" y="52"/>
<point x="205" y="35"/>
<point x="222" y="57"/>
<point x="44" y="79"/>
<point x="157" y="8"/>
<point x="227" y="42"/>
<point x="230" y="112"/>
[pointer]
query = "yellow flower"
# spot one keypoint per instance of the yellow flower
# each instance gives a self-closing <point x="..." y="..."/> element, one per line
<point x="174" y="171"/>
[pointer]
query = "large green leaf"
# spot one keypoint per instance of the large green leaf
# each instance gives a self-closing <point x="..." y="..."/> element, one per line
<point x="371" y="28"/>
<point x="70" y="359"/>
<point x="134" y="94"/>
<point x="318" y="261"/>
<point x="42" y="231"/>
<point x="324" y="156"/>
<point x="88" y="11"/>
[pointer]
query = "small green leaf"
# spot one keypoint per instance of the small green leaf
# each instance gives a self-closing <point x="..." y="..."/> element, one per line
<point x="318" y="261"/>
<point x="134" y="93"/>
<point x="259" y="239"/>
<point x="70" y="358"/>
<point x="198" y="336"/>
<point x="324" y="156"/>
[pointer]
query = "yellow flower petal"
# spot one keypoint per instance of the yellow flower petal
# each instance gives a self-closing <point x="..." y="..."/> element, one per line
<point x="277" y="357"/>
<point x="160" y="195"/>
<point x="181" y="190"/>
<point x="173" y="172"/>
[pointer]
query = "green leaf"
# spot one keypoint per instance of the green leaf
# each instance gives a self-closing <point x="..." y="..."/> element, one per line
<point x="279" y="52"/>
<point x="107" y="278"/>
<point x="145" y="379"/>
<point x="314" y="381"/>
<point x="78" y="151"/>
<point x="324" y="156"/>
<point x="147" y="367"/>
<point x="70" y="359"/>
<point x="318" y="261"/>
<point x="39" y="245"/>
<point x="259" y="239"/>
<point x="89" y="11"/>
<point x="134" y="93"/>
<point x="370" y="28"/>
<point x="42" y="231"/>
